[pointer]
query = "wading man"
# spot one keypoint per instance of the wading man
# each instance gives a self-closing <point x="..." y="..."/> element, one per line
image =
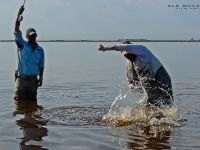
<point x="143" y="68"/>
<point x="29" y="72"/>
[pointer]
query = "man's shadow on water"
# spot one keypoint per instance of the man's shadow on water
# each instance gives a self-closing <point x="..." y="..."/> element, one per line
<point x="32" y="124"/>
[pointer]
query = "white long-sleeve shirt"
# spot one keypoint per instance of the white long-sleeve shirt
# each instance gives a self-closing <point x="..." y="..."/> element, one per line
<point x="145" y="64"/>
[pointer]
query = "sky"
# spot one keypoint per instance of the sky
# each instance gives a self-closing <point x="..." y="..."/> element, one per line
<point x="103" y="19"/>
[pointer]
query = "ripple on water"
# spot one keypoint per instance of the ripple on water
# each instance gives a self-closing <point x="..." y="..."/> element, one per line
<point x="75" y="116"/>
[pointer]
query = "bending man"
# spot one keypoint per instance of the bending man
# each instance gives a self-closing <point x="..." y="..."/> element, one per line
<point x="145" y="69"/>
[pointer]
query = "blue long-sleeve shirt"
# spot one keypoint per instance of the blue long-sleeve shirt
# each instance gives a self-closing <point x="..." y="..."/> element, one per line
<point x="30" y="62"/>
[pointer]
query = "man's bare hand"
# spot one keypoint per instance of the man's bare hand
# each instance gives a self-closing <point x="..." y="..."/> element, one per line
<point x="101" y="48"/>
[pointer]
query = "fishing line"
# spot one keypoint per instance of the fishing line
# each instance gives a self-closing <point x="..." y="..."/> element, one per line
<point x="24" y="2"/>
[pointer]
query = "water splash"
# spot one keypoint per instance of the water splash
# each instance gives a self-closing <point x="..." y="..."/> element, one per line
<point x="130" y="107"/>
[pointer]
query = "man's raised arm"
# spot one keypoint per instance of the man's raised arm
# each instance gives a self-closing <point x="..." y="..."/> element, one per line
<point x="18" y="19"/>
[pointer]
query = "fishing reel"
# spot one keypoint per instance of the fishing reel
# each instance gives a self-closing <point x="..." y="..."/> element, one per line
<point x="20" y="18"/>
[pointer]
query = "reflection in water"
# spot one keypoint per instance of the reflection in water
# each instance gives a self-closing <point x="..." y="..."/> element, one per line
<point x="150" y="137"/>
<point x="141" y="126"/>
<point x="32" y="125"/>
<point x="143" y="137"/>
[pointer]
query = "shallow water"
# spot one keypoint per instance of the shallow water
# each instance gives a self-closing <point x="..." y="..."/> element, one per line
<point x="80" y="84"/>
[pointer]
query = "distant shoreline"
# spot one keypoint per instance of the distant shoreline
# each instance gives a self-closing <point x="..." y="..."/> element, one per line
<point x="131" y="40"/>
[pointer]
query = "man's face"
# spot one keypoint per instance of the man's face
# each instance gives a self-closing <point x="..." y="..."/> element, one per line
<point x="31" y="38"/>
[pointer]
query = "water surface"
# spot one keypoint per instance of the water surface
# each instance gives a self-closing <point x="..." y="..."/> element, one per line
<point x="80" y="84"/>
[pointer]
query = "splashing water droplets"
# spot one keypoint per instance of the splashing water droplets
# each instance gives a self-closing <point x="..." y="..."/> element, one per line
<point x="130" y="107"/>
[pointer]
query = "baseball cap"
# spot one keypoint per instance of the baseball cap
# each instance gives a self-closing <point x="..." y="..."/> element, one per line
<point x="30" y="31"/>
<point x="126" y="41"/>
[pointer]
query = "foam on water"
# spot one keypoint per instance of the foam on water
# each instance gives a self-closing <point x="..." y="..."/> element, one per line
<point x="131" y="108"/>
<point x="75" y="116"/>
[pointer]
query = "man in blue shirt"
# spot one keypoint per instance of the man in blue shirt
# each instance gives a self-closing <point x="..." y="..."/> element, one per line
<point x="29" y="72"/>
<point x="143" y="68"/>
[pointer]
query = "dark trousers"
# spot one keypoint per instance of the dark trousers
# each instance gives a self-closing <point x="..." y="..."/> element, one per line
<point x="26" y="89"/>
<point x="159" y="91"/>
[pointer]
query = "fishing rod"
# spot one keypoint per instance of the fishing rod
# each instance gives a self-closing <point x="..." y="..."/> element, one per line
<point x="24" y="2"/>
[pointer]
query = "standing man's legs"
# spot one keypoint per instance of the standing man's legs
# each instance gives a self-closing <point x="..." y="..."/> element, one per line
<point x="25" y="89"/>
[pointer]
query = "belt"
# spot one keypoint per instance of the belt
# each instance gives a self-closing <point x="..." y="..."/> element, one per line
<point x="25" y="77"/>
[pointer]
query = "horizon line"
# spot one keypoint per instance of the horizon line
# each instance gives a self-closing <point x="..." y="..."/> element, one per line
<point x="119" y="40"/>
